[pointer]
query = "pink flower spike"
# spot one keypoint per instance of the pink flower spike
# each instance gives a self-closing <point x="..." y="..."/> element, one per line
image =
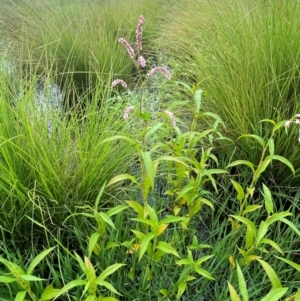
<point x="160" y="69"/>
<point x="171" y="115"/>
<point x="139" y="32"/>
<point x="127" y="111"/>
<point x="141" y="61"/>
<point x="128" y="47"/>
<point x="119" y="81"/>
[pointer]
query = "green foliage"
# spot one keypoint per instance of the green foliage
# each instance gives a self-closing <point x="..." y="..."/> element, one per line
<point x="176" y="225"/>
<point x="241" y="53"/>
<point x="76" y="41"/>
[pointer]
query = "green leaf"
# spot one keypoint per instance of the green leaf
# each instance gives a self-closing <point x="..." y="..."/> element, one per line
<point x="171" y="219"/>
<point x="278" y="126"/>
<point x="184" y="191"/>
<point x="31" y="278"/>
<point x="233" y="294"/>
<point x="111" y="244"/>
<point x="241" y="162"/>
<point x="257" y="138"/>
<point x="290" y="224"/>
<point x="99" y="195"/>
<point x="250" y="235"/>
<point x="242" y="283"/>
<point x="277" y="216"/>
<point x="167" y="248"/>
<point x="247" y="222"/>
<point x="110" y="270"/>
<point x="271" y="274"/>
<point x="5" y="279"/>
<point x="268" y="120"/>
<point x="107" y="219"/>
<point x="116" y="210"/>
<point x="144" y="244"/>
<point x="272" y="244"/>
<point x="108" y="286"/>
<point x="261" y="168"/>
<point x="283" y="160"/>
<point x="271" y="146"/>
<point x="20" y="296"/>
<point x="138" y="234"/>
<point x="70" y="285"/>
<point x="150" y="168"/>
<point x="206" y="202"/>
<point x="298" y="295"/>
<point x="268" y="200"/>
<point x="275" y="295"/>
<point x="181" y="289"/>
<point x="251" y="208"/>
<point x="184" y="262"/>
<point x="92" y="242"/>
<point x="108" y="299"/>
<point x="152" y="214"/>
<point x="291" y="263"/>
<point x="204" y="273"/>
<point x="137" y="207"/>
<point x="120" y="137"/>
<point x="145" y="221"/>
<point x="239" y="190"/>
<point x="262" y="230"/>
<point x="153" y="130"/>
<point x="49" y="293"/>
<point x="81" y="263"/>
<point x="122" y="177"/>
<point x="38" y="259"/>
<point x="202" y="259"/>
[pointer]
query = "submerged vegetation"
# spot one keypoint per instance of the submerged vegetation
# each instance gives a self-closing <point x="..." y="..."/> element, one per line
<point x="149" y="150"/>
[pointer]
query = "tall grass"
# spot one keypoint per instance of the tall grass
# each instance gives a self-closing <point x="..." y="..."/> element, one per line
<point x="51" y="161"/>
<point x="77" y="40"/>
<point x="245" y="54"/>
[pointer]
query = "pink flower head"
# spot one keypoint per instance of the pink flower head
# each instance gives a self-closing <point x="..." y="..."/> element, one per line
<point x="160" y="69"/>
<point x="171" y="115"/>
<point x="139" y="32"/>
<point x="141" y="61"/>
<point x="128" y="47"/>
<point x="119" y="81"/>
<point x="127" y="111"/>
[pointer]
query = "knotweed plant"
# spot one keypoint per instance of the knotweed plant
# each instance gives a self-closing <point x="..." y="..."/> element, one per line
<point x="164" y="150"/>
<point x="258" y="242"/>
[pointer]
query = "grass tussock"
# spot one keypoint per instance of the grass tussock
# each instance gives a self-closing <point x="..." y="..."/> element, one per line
<point x="246" y="57"/>
<point x="77" y="41"/>
<point x="121" y="195"/>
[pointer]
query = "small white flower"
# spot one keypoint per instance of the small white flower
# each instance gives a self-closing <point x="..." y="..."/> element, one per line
<point x="287" y="123"/>
<point x="297" y="115"/>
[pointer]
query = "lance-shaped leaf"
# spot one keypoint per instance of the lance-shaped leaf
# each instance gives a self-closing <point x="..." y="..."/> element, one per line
<point x="275" y="295"/>
<point x="110" y="270"/>
<point x="233" y="294"/>
<point x="122" y="177"/>
<point x="242" y="283"/>
<point x="167" y="248"/>
<point x="145" y="243"/>
<point x="271" y="274"/>
<point x="239" y="189"/>
<point x="37" y="260"/>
